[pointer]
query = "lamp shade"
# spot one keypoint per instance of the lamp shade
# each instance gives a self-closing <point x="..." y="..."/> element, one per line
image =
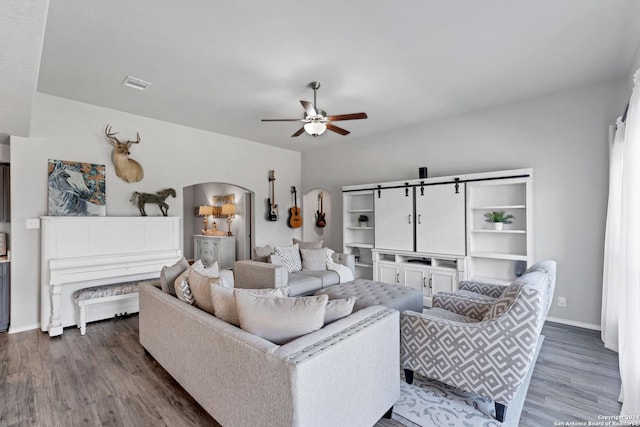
<point x="315" y="128"/>
<point x="205" y="210"/>
<point x="228" y="209"/>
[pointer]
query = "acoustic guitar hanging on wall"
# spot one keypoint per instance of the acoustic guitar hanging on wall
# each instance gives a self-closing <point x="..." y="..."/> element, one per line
<point x="295" y="220"/>
<point x="272" y="208"/>
<point x="321" y="220"/>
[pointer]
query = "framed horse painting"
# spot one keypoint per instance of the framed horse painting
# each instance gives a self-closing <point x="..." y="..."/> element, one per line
<point x="76" y="189"/>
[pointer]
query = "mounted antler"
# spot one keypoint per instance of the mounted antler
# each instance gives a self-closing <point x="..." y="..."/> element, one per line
<point x="127" y="169"/>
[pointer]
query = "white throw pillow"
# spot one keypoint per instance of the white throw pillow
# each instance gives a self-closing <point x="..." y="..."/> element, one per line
<point x="224" y="301"/>
<point x="211" y="271"/>
<point x="280" y="320"/>
<point x="290" y="257"/>
<point x="182" y="289"/>
<point x="169" y="274"/>
<point x="314" y="259"/>
<point x="338" y="308"/>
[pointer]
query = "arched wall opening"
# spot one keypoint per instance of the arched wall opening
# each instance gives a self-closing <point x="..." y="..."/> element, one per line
<point x="242" y="224"/>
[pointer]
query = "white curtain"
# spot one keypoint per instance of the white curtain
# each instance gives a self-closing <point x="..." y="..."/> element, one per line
<point x="621" y="280"/>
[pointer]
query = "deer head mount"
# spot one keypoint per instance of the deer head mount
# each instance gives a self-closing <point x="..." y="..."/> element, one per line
<point x="127" y="169"/>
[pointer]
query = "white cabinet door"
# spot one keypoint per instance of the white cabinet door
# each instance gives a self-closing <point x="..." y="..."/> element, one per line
<point x="413" y="277"/>
<point x="394" y="218"/>
<point x="387" y="273"/>
<point x="440" y="226"/>
<point x="445" y="280"/>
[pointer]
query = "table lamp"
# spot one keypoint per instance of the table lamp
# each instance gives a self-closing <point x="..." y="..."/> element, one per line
<point x="229" y="210"/>
<point x="204" y="212"/>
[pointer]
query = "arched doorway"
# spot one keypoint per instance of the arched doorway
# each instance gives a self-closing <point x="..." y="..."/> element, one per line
<point x="206" y="194"/>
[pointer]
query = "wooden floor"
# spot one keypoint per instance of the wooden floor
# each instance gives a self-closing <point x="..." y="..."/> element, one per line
<point x="105" y="379"/>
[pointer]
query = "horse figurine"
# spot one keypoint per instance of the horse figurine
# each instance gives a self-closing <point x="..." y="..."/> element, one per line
<point x="69" y="194"/>
<point x="140" y="199"/>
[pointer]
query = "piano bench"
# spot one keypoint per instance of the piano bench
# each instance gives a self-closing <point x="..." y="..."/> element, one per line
<point x="113" y="298"/>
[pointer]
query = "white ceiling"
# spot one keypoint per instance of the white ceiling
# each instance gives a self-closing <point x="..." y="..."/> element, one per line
<point x="223" y="65"/>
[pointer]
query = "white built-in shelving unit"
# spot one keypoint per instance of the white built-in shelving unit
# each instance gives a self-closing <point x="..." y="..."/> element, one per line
<point x="499" y="255"/>
<point x="431" y="233"/>
<point x="358" y="239"/>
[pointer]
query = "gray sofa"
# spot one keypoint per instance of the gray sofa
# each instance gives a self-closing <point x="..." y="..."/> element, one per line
<point x="345" y="374"/>
<point x="256" y="274"/>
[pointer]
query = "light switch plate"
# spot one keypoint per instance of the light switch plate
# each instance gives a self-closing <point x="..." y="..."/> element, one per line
<point x="33" y="223"/>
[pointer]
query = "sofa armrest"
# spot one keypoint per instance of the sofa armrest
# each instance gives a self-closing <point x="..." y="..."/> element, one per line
<point x="484" y="288"/>
<point x="258" y="275"/>
<point x="474" y="308"/>
<point x="345" y="259"/>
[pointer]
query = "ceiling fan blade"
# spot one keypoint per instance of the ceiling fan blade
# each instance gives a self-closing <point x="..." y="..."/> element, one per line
<point x="298" y="132"/>
<point x="337" y="129"/>
<point x="281" y="120"/>
<point x="309" y="108"/>
<point x="353" y="116"/>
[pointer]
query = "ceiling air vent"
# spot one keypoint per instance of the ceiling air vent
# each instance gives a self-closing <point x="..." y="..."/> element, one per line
<point x="135" y="83"/>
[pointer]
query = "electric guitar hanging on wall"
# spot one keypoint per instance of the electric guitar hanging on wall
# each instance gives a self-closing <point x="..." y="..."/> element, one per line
<point x="272" y="208"/>
<point x="295" y="220"/>
<point x="320" y="215"/>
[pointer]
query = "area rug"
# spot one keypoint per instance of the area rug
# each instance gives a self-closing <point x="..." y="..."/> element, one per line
<point x="428" y="403"/>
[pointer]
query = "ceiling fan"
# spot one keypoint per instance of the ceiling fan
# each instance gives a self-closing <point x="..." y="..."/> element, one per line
<point x="316" y="121"/>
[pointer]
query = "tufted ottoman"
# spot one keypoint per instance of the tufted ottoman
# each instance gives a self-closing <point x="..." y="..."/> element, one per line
<point x="370" y="293"/>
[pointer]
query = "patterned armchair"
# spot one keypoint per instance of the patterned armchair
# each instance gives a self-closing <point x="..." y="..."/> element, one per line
<point x="485" y="344"/>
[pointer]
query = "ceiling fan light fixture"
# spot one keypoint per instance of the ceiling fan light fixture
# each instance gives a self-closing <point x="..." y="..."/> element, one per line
<point x="315" y="128"/>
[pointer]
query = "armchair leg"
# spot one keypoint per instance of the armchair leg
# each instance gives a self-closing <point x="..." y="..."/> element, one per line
<point x="501" y="411"/>
<point x="388" y="414"/>
<point x="408" y="376"/>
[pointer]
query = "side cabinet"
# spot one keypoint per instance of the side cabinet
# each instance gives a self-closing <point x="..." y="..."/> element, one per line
<point x="5" y="281"/>
<point x="425" y="273"/>
<point x="215" y="248"/>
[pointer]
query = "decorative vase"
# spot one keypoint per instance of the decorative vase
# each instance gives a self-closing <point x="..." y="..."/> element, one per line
<point x="498" y="225"/>
<point x="363" y="223"/>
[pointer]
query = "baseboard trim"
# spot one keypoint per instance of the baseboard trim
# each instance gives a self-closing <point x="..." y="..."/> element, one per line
<point x="14" y="330"/>
<point x="574" y="323"/>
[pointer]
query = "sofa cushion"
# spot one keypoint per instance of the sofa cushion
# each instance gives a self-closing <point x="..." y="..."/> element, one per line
<point x="169" y="274"/>
<point x="280" y="320"/>
<point x="308" y="245"/>
<point x="290" y="257"/>
<point x="315" y="259"/>
<point x="224" y="302"/>
<point x="308" y="281"/>
<point x="338" y="308"/>
<point x="182" y="289"/>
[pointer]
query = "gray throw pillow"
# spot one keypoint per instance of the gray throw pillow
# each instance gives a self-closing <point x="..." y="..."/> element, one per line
<point x="261" y="253"/>
<point x="338" y="308"/>
<point x="169" y="274"/>
<point x="308" y="245"/>
<point x="280" y="320"/>
<point x="314" y="259"/>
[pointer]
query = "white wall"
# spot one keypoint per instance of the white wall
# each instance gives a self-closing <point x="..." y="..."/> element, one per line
<point x="563" y="136"/>
<point x="172" y="156"/>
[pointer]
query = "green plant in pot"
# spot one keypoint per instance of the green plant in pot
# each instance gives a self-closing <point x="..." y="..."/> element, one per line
<point x="363" y="219"/>
<point x="498" y="218"/>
